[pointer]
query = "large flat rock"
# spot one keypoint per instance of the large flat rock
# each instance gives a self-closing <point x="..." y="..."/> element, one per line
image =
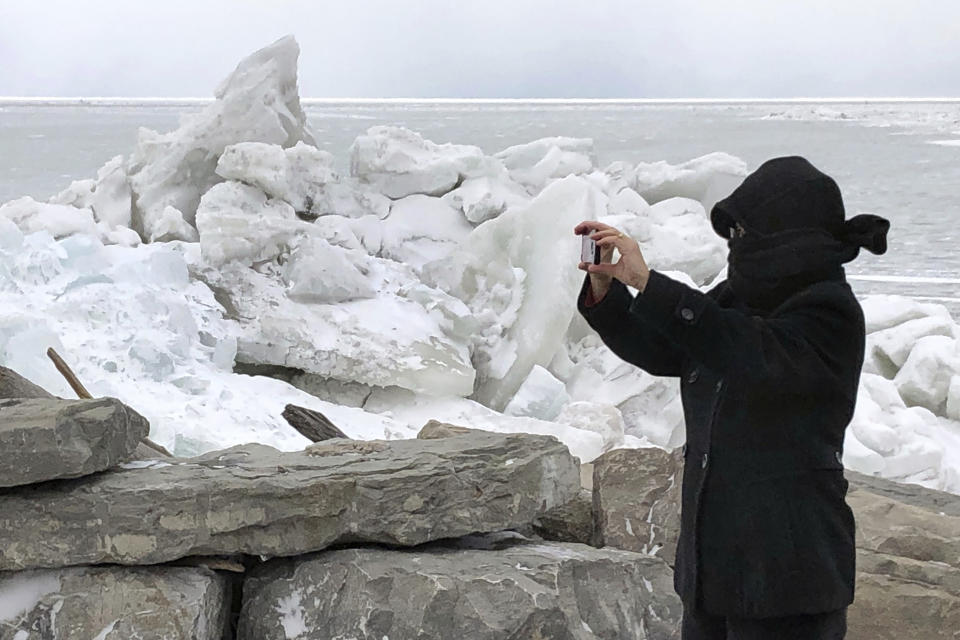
<point x="114" y="603"/>
<point x="548" y="591"/>
<point x="636" y="500"/>
<point x="254" y="499"/>
<point x="49" y="438"/>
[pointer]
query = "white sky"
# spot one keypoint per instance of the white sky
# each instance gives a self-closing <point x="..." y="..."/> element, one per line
<point x="489" y="48"/>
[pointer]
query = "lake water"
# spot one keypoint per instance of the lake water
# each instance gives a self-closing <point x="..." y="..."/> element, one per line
<point x="898" y="160"/>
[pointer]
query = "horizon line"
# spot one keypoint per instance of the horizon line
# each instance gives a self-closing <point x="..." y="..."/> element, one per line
<point x="179" y="100"/>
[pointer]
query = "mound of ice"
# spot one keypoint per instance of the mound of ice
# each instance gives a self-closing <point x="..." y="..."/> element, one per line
<point x="540" y="396"/>
<point x="398" y="162"/>
<point x="302" y="176"/>
<point x="518" y="274"/>
<point x="421" y="229"/>
<point x="486" y="197"/>
<point x="258" y="102"/>
<point x="63" y="220"/>
<point x="533" y="164"/>
<point x="706" y="179"/>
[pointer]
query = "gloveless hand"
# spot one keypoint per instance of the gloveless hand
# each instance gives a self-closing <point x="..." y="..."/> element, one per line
<point x="631" y="269"/>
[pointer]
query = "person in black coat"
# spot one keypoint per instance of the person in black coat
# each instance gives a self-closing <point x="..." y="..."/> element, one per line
<point x="769" y="364"/>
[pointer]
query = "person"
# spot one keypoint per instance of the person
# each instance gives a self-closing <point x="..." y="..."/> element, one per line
<point x="769" y="364"/>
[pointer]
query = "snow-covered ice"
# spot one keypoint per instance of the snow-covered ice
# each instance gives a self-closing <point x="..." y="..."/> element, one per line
<point x="433" y="282"/>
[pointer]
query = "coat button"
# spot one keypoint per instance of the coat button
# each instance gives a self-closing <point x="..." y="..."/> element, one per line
<point x="686" y="313"/>
<point x="703" y="463"/>
<point x="719" y="384"/>
<point x="692" y="377"/>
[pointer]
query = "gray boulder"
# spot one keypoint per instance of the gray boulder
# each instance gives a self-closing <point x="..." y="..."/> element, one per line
<point x="49" y="438"/>
<point x="14" y="385"/>
<point x="570" y="522"/>
<point x="114" y="603"/>
<point x="257" y="500"/>
<point x="636" y="500"/>
<point x="908" y="561"/>
<point x="437" y="592"/>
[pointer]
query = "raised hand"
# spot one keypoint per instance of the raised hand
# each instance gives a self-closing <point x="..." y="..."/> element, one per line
<point x="631" y="269"/>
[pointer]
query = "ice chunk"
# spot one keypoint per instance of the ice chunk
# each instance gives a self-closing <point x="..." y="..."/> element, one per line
<point x="258" y="102"/>
<point x="706" y="179"/>
<point x="302" y="176"/>
<point x="112" y="198"/>
<point x="60" y="220"/>
<point x="398" y="162"/>
<point x="238" y="223"/>
<point x="924" y="379"/>
<point x="79" y="194"/>
<point x="486" y="197"/>
<point x="953" y="399"/>
<point x="892" y="346"/>
<point x="604" y="419"/>
<point x="860" y="458"/>
<point x="518" y="275"/>
<point x="681" y="238"/>
<point x="407" y="336"/>
<point x="420" y="229"/>
<point x="885" y="311"/>
<point x="319" y="272"/>
<point x="535" y="163"/>
<point x="540" y="396"/>
<point x="628" y="201"/>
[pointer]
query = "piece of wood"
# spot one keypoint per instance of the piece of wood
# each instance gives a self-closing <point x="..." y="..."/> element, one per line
<point x="67" y="373"/>
<point x="312" y="425"/>
<point x="83" y="394"/>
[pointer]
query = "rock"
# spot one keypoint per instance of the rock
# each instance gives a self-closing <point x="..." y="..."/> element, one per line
<point x="113" y="603"/>
<point x="570" y="522"/>
<point x="258" y="102"/>
<point x="49" y="438"/>
<point x="908" y="560"/>
<point x="436" y="429"/>
<point x="533" y="164"/>
<point x="398" y="162"/>
<point x="523" y="592"/>
<point x="893" y="608"/>
<point x="254" y="499"/>
<point x="636" y="498"/>
<point x="13" y="385"/>
<point x="302" y="176"/>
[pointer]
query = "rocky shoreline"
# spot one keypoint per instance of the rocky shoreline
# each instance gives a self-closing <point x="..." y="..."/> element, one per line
<point x="459" y="533"/>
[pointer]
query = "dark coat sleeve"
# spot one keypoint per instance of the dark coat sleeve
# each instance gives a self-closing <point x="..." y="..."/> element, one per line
<point x="628" y="334"/>
<point x="807" y="343"/>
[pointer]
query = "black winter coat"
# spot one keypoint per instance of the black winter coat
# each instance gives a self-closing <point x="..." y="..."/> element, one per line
<point x="765" y="528"/>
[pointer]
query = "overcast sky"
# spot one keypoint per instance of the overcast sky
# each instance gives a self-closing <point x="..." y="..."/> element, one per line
<point x="490" y="48"/>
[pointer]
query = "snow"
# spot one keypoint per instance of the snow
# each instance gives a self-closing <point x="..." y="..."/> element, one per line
<point x="21" y="591"/>
<point x="434" y="282"/>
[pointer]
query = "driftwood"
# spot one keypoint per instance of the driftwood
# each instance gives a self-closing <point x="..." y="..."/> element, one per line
<point x="312" y="425"/>
<point x="83" y="394"/>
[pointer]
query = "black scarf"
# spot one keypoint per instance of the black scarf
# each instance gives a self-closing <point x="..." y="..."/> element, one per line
<point x="764" y="270"/>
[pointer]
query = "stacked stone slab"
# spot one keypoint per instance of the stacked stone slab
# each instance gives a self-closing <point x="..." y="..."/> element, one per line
<point x="76" y="509"/>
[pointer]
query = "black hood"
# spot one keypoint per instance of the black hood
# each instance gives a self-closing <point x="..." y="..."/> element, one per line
<point x="796" y="229"/>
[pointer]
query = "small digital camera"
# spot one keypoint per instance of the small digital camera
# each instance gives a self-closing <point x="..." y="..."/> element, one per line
<point x="589" y="251"/>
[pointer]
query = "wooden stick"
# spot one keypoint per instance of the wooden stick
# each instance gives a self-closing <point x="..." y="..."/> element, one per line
<point x="313" y="425"/>
<point x="68" y="373"/>
<point x="83" y="394"/>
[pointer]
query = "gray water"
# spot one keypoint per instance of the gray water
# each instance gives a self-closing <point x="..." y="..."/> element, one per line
<point x="881" y="155"/>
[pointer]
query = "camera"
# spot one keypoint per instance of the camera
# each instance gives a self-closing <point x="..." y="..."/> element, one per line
<point x="589" y="251"/>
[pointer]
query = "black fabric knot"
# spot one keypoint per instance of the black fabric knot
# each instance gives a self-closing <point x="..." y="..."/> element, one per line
<point x="868" y="231"/>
